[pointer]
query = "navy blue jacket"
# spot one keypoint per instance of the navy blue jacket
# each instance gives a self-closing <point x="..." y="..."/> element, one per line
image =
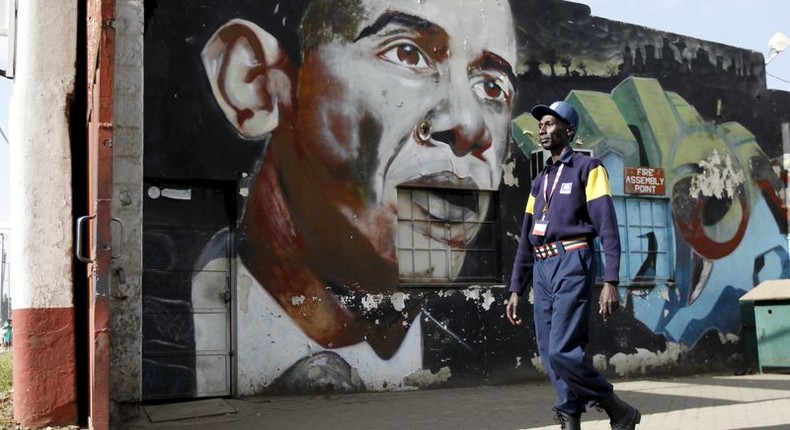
<point x="581" y="206"/>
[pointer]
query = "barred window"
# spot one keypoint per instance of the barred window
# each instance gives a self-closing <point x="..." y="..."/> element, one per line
<point x="647" y="249"/>
<point x="448" y="235"/>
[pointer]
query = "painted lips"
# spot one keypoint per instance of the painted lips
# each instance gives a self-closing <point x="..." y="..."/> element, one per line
<point x="448" y="217"/>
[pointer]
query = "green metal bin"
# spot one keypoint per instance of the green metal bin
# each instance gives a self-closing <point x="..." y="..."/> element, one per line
<point x="771" y="300"/>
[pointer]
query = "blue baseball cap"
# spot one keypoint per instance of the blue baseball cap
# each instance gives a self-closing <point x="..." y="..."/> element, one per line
<point x="561" y="110"/>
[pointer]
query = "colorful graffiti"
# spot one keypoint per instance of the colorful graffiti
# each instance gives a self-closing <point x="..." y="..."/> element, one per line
<point x="722" y="211"/>
<point x="382" y="97"/>
<point x="298" y="153"/>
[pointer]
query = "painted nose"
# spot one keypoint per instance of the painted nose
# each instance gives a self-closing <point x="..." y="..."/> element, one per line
<point x="464" y="141"/>
<point x="461" y="127"/>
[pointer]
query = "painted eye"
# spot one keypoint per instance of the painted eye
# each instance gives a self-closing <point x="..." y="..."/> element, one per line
<point x="407" y="55"/>
<point x="492" y="89"/>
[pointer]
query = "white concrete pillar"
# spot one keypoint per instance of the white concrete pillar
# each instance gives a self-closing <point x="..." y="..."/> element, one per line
<point x="41" y="212"/>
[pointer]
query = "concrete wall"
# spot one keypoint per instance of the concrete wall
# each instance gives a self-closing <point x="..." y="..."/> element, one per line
<point x="125" y="290"/>
<point x="273" y="165"/>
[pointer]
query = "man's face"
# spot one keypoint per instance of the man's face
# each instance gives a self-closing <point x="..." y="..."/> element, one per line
<point x="421" y="96"/>
<point x="555" y="134"/>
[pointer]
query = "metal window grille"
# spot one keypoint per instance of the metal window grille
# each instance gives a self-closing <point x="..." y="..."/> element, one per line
<point x="647" y="247"/>
<point x="447" y="236"/>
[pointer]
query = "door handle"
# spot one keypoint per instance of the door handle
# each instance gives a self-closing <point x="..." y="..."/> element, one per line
<point x="120" y="245"/>
<point x="79" y="233"/>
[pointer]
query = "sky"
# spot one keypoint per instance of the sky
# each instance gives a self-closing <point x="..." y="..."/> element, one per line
<point x="743" y="23"/>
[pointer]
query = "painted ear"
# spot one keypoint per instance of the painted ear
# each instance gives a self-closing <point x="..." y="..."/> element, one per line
<point x="250" y="76"/>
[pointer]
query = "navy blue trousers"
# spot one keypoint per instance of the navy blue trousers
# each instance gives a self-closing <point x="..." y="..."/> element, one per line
<point x="562" y="293"/>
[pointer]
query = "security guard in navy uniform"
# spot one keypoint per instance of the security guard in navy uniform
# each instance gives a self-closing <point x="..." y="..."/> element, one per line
<point x="570" y="203"/>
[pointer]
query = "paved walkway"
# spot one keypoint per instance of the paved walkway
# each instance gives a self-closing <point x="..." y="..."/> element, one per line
<point x="704" y="402"/>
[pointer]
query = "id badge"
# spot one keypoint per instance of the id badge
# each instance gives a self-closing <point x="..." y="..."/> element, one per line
<point x="539" y="229"/>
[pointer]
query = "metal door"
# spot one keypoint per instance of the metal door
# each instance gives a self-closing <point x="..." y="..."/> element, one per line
<point x="94" y="227"/>
<point x="186" y="290"/>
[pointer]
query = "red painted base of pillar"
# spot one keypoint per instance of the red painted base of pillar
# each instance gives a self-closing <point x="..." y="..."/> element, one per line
<point x="45" y="390"/>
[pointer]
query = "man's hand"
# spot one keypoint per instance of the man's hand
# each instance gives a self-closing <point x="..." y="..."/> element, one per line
<point x="512" y="308"/>
<point x="609" y="301"/>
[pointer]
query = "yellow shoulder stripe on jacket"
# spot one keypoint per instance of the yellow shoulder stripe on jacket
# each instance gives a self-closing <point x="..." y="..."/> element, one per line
<point x="530" y="205"/>
<point x="598" y="184"/>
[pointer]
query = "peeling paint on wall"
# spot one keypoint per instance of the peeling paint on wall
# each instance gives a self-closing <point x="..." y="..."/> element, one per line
<point x="297" y="300"/>
<point x="446" y="293"/>
<point x="475" y="294"/>
<point x="729" y="338"/>
<point x="720" y="177"/>
<point x="599" y="362"/>
<point x="537" y="363"/>
<point x="509" y="177"/>
<point x="425" y="378"/>
<point x="488" y="299"/>
<point x="643" y="359"/>
<point x="372" y="301"/>
<point x="399" y="301"/>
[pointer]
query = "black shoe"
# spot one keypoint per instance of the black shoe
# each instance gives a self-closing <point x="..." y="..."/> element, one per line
<point x="622" y="416"/>
<point x="566" y="421"/>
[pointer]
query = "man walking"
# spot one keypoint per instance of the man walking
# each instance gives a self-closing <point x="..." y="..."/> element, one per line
<point x="570" y="203"/>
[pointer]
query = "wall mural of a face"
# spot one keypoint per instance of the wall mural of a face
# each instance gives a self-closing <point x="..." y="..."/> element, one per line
<point x="336" y="110"/>
<point x="387" y="94"/>
<point x="361" y="106"/>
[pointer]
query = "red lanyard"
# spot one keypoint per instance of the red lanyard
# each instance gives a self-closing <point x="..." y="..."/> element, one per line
<point x="547" y="198"/>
